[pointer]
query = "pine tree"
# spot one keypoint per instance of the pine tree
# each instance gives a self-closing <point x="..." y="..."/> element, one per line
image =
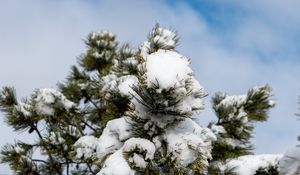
<point x="234" y="128"/>
<point x="127" y="111"/>
<point x="60" y="117"/>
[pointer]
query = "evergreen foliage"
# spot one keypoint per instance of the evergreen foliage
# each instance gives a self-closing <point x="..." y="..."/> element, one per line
<point x="270" y="170"/>
<point x="58" y="128"/>
<point x="130" y="109"/>
<point x="236" y="116"/>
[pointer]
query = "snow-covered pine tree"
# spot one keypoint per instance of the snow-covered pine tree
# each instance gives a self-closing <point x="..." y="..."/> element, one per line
<point x="124" y="111"/>
<point x="60" y="117"/>
<point x="234" y="127"/>
<point x="156" y="135"/>
<point x="50" y="116"/>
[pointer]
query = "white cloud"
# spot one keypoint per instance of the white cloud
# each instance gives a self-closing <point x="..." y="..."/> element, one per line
<point x="255" y="35"/>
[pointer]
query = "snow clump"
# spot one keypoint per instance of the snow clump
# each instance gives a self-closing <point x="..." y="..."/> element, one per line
<point x="248" y="165"/>
<point x="85" y="147"/>
<point x="46" y="100"/>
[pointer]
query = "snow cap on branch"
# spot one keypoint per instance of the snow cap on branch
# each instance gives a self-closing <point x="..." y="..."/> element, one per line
<point x="121" y="84"/>
<point x="187" y="141"/>
<point x="85" y="147"/>
<point x="250" y="164"/>
<point x="116" y="164"/>
<point x="47" y="100"/>
<point x="159" y="38"/>
<point x="143" y="150"/>
<point x="113" y="136"/>
<point x="167" y="88"/>
<point x="103" y="39"/>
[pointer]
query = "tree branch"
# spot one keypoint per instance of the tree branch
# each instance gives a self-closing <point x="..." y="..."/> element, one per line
<point x="90" y="126"/>
<point x="45" y="146"/>
<point x="39" y="160"/>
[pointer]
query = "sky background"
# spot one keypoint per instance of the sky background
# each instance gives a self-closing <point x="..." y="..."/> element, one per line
<point x="233" y="45"/>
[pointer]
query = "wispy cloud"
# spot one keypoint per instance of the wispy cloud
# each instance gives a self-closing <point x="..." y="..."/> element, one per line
<point x="257" y="44"/>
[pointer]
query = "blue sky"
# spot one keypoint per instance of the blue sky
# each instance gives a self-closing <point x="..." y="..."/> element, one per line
<point x="233" y="45"/>
<point x="274" y="19"/>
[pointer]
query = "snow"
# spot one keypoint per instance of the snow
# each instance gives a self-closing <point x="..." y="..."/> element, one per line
<point x="109" y="82"/>
<point x="289" y="164"/>
<point x="56" y="138"/>
<point x="266" y="90"/>
<point x="98" y="55"/>
<point x="101" y="34"/>
<point x="131" y="61"/>
<point x="272" y="103"/>
<point x="233" y="108"/>
<point x="157" y="142"/>
<point x="47" y="100"/>
<point x="165" y="37"/>
<point x="187" y="140"/>
<point x="247" y="165"/>
<point x="103" y="54"/>
<point x="218" y="129"/>
<point x="141" y="144"/>
<point x="138" y="160"/>
<point x="234" y="143"/>
<point x="115" y="132"/>
<point x="73" y="131"/>
<point x="104" y="39"/>
<point x="235" y="105"/>
<point x="234" y="100"/>
<point x="159" y="120"/>
<point x="116" y="164"/>
<point x="167" y="68"/>
<point x="123" y="84"/>
<point x="23" y="108"/>
<point x="85" y="147"/>
<point x="190" y="103"/>
<point x="145" y="49"/>
<point x="126" y="50"/>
